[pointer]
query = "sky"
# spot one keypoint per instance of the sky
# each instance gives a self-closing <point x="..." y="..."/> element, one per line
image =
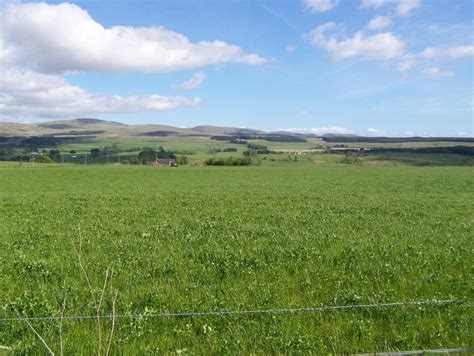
<point x="370" y="67"/>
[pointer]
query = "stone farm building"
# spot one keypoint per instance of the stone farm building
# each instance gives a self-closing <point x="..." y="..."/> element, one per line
<point x="160" y="162"/>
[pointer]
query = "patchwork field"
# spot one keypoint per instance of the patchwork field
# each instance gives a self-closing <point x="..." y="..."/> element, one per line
<point x="223" y="238"/>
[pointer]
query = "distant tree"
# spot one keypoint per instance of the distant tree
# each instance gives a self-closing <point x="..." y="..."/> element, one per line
<point x="95" y="152"/>
<point x="147" y="157"/>
<point x="30" y="149"/>
<point x="182" y="160"/>
<point x="231" y="161"/>
<point x="55" y="155"/>
<point x="43" y="159"/>
<point x="73" y="152"/>
<point x="351" y="158"/>
<point x="254" y="146"/>
<point x="213" y="150"/>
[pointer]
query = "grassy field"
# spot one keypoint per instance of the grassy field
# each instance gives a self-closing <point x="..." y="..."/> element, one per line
<point x="421" y="159"/>
<point x="214" y="238"/>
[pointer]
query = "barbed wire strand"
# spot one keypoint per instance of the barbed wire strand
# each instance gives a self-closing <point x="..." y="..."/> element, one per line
<point x="242" y="312"/>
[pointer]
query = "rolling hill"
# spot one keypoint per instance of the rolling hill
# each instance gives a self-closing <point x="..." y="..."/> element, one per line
<point x="102" y="128"/>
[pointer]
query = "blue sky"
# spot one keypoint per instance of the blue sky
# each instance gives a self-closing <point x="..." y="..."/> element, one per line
<point x="313" y="65"/>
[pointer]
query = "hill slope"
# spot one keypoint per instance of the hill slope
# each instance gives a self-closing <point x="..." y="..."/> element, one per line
<point x="102" y="128"/>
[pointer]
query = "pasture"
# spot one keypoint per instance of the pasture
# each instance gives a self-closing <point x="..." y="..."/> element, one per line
<point x="223" y="238"/>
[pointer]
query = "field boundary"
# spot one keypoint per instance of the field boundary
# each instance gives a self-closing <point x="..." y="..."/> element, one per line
<point x="242" y="312"/>
<point x="419" y="352"/>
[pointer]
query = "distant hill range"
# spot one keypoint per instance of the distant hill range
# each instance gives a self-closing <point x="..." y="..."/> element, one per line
<point x="86" y="127"/>
<point x="102" y="128"/>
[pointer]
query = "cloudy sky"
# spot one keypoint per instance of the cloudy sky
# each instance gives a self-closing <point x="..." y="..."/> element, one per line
<point x="376" y="67"/>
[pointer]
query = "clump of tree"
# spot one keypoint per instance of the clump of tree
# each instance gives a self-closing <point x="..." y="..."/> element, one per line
<point x="95" y="152"/>
<point x="184" y="152"/>
<point x="213" y="150"/>
<point x="231" y="161"/>
<point x="149" y="156"/>
<point x="182" y="160"/>
<point x="55" y="155"/>
<point x="43" y="159"/>
<point x="254" y="146"/>
<point x="238" y="141"/>
<point x="250" y="153"/>
<point x="268" y="152"/>
<point x="130" y="161"/>
<point x="351" y="158"/>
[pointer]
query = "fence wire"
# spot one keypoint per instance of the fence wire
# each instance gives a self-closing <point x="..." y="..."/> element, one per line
<point x="242" y="312"/>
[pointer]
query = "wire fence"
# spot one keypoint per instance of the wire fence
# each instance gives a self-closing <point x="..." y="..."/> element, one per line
<point x="242" y="312"/>
<point x="422" y="352"/>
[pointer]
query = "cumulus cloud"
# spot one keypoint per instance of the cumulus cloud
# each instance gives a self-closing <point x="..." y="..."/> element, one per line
<point x="453" y="52"/>
<point x="402" y="8"/>
<point x="196" y="80"/>
<point x="383" y="45"/>
<point x="65" y="38"/>
<point x="373" y="4"/>
<point x="320" y="5"/>
<point x="436" y="72"/>
<point x="434" y="54"/>
<point x="40" y="42"/>
<point x="31" y="94"/>
<point x="379" y="23"/>
<point x="406" y="7"/>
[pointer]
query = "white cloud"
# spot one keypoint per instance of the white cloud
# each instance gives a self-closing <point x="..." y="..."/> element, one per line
<point x="434" y="54"/>
<point x="320" y="5"/>
<point x="383" y="45"/>
<point x="465" y="133"/>
<point x="320" y="130"/>
<point x="379" y="23"/>
<point x="39" y="42"/>
<point x="454" y="52"/>
<point x="337" y="130"/>
<point x="403" y="7"/>
<point x="64" y="38"/>
<point x="290" y="48"/>
<point x="436" y="72"/>
<point x="406" y="7"/>
<point x="372" y="131"/>
<point x="26" y="94"/>
<point x="407" y="63"/>
<point x="373" y="4"/>
<point x="196" y="80"/>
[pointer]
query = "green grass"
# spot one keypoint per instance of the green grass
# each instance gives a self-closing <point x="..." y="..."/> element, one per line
<point x="195" y="144"/>
<point x="213" y="238"/>
<point x="423" y="159"/>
